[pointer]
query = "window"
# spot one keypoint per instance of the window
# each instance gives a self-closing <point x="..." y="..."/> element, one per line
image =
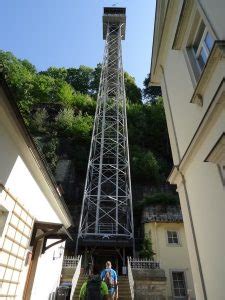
<point x="217" y="156"/>
<point x="148" y="234"/>
<point x="3" y="218"/>
<point x="198" y="46"/>
<point x="179" y="286"/>
<point x="221" y="166"/>
<point x="172" y="237"/>
<point x="202" y="45"/>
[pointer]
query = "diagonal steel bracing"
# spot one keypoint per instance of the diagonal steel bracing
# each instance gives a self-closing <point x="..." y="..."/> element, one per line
<point x="107" y="201"/>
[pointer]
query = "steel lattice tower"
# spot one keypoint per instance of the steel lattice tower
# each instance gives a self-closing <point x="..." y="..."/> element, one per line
<point x="106" y="214"/>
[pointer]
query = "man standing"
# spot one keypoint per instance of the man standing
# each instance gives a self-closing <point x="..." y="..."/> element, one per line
<point x="109" y="276"/>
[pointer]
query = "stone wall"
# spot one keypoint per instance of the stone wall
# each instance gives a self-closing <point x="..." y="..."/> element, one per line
<point x="149" y="284"/>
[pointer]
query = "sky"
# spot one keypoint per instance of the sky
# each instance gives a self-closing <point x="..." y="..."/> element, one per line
<point x="68" y="33"/>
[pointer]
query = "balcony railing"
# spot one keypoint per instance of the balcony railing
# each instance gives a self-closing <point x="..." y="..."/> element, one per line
<point x="139" y="263"/>
<point x="71" y="261"/>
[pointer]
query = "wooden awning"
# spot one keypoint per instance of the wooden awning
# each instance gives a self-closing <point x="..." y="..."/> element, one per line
<point x="46" y="231"/>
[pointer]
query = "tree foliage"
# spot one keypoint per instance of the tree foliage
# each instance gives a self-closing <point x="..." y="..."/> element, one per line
<point x="144" y="166"/>
<point x="133" y="93"/>
<point x="63" y="101"/>
<point x="146" y="250"/>
<point x="150" y="92"/>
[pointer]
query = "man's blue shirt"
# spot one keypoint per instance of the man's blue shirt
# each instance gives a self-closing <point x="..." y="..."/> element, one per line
<point x="113" y="274"/>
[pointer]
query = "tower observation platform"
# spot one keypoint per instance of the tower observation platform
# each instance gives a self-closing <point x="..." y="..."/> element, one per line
<point x="106" y="220"/>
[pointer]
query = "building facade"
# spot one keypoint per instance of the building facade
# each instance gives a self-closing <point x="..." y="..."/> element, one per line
<point x="33" y="218"/>
<point x="164" y="226"/>
<point x="188" y="61"/>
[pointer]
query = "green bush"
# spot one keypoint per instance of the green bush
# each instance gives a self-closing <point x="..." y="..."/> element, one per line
<point x="78" y="126"/>
<point x="144" y="166"/>
<point x="146" y="251"/>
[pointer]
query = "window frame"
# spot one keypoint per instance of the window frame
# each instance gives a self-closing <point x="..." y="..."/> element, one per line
<point x="9" y="213"/>
<point x="178" y="244"/>
<point x="221" y="167"/>
<point x="217" y="157"/>
<point x="202" y="46"/>
<point x="185" y="283"/>
<point x="197" y="18"/>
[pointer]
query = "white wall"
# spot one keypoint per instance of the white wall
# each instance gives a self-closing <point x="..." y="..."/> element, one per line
<point x="22" y="177"/>
<point x="16" y="176"/>
<point x="47" y="278"/>
<point x="207" y="199"/>
<point x="205" y="190"/>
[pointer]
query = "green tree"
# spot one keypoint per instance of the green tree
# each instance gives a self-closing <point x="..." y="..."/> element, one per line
<point x="80" y="79"/>
<point x="49" y="149"/>
<point x="56" y="73"/>
<point x="146" y="251"/>
<point x="144" y="166"/>
<point x="79" y="126"/>
<point x="65" y="119"/>
<point x="20" y="79"/>
<point x="82" y="127"/>
<point x="38" y="122"/>
<point x="31" y="68"/>
<point x="65" y="93"/>
<point x="94" y="85"/>
<point x="84" y="103"/>
<point x="133" y="93"/>
<point x="151" y="93"/>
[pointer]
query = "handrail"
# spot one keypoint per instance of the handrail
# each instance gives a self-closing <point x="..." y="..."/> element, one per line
<point x="130" y="278"/>
<point x="76" y="276"/>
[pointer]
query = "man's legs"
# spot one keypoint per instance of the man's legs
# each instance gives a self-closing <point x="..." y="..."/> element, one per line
<point x="112" y="294"/>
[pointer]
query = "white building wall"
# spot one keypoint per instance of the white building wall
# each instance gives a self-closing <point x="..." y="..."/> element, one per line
<point x="21" y="175"/>
<point x="16" y="176"/>
<point x="47" y="279"/>
<point x="205" y="190"/>
<point x="206" y="193"/>
<point x="186" y="116"/>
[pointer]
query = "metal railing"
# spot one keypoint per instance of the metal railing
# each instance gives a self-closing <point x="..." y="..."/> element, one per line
<point x="130" y="278"/>
<point x="71" y="261"/>
<point x="140" y="263"/>
<point x="76" y="276"/>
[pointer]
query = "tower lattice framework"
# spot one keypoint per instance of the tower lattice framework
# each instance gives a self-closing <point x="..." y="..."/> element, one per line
<point x="106" y="214"/>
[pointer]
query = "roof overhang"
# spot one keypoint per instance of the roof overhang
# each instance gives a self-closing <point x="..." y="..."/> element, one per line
<point x="114" y="15"/>
<point x="165" y="15"/>
<point x="47" y="231"/>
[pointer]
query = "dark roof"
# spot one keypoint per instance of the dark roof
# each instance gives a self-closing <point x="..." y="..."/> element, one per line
<point x="114" y="10"/>
<point x="162" y="213"/>
<point x="30" y="142"/>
